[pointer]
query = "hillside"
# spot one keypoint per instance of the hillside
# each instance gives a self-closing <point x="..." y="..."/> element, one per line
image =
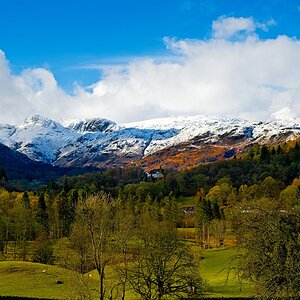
<point x="22" y="171"/>
<point x="38" y="280"/>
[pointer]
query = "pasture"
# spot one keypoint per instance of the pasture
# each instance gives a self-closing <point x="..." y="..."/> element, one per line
<point x="45" y="281"/>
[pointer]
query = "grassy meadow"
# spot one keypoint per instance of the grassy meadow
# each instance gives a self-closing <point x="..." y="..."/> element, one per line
<point x="45" y="281"/>
<point x="35" y="280"/>
<point x="217" y="269"/>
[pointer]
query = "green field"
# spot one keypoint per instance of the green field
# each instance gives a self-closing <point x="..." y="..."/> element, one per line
<point x="187" y="201"/>
<point x="38" y="280"/>
<point x="217" y="269"/>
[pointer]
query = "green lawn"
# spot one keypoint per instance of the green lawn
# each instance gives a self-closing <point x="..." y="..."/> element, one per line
<point x="215" y="269"/>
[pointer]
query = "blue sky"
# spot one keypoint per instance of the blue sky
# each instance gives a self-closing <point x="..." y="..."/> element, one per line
<point x="63" y="35"/>
<point x="130" y="60"/>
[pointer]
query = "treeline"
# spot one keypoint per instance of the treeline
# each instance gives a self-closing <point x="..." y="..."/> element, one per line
<point x="280" y="162"/>
<point x="254" y="174"/>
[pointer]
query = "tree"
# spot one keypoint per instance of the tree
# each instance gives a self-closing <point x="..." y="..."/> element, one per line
<point x="163" y="266"/>
<point x="3" y="177"/>
<point x="264" y="154"/>
<point x="216" y="211"/>
<point x="95" y="215"/>
<point x="290" y="196"/>
<point x="270" y="187"/>
<point x="204" y="215"/>
<point x="23" y="225"/>
<point x="271" y="249"/>
<point x="25" y="200"/>
<point x="171" y="211"/>
<point x="66" y="212"/>
<point x="218" y="231"/>
<point x="80" y="243"/>
<point x="219" y="193"/>
<point x="124" y="234"/>
<point x="44" y="252"/>
<point x="3" y="225"/>
<point x="42" y="217"/>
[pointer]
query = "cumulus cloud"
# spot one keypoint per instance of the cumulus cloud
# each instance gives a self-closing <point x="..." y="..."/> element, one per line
<point x="250" y="78"/>
<point x="228" y="27"/>
<point x="224" y="28"/>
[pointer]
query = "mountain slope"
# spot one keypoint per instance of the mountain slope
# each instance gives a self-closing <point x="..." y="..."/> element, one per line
<point x="174" y="141"/>
<point x="19" y="166"/>
<point x="21" y="171"/>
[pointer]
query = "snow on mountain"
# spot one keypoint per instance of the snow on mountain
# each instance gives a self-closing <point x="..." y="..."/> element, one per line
<point x="100" y="141"/>
<point x="91" y="147"/>
<point x="187" y="128"/>
<point x="211" y="129"/>
<point x="6" y="131"/>
<point x="39" y="138"/>
<point x="91" y="125"/>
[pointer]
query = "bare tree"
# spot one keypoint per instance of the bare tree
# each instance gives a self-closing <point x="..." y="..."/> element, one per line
<point x="125" y="232"/>
<point x="95" y="215"/>
<point x="163" y="266"/>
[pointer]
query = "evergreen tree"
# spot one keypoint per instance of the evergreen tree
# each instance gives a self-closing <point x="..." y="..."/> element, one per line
<point x="25" y="200"/>
<point x="66" y="213"/>
<point x="216" y="210"/>
<point x="204" y="210"/>
<point x="3" y="177"/>
<point x="264" y="154"/>
<point x="279" y="150"/>
<point x="42" y="217"/>
<point x="171" y="211"/>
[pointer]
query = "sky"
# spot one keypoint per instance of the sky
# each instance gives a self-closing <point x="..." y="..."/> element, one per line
<point x="130" y="60"/>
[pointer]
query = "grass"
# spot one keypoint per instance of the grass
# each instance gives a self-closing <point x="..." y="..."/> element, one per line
<point x="36" y="280"/>
<point x="111" y="282"/>
<point x="187" y="201"/>
<point x="215" y="269"/>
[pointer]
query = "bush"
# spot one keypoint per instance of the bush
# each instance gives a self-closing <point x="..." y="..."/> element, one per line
<point x="44" y="253"/>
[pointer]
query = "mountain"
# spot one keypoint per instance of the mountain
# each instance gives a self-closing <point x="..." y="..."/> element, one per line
<point x="21" y="171"/>
<point x="18" y="166"/>
<point x="171" y="142"/>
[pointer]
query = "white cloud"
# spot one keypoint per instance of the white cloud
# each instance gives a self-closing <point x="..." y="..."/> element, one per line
<point x="249" y="78"/>
<point x="283" y="114"/>
<point x="230" y="27"/>
<point x="227" y="27"/>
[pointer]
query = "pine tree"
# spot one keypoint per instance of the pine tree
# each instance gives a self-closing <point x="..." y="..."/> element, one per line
<point x="204" y="210"/>
<point x="25" y="200"/>
<point x="42" y="217"/>
<point x="216" y="210"/>
<point x="171" y="211"/>
<point x="66" y="213"/>
<point x="264" y="154"/>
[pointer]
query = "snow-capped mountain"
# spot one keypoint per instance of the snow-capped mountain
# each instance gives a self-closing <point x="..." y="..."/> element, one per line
<point x="101" y="142"/>
<point x="39" y="138"/>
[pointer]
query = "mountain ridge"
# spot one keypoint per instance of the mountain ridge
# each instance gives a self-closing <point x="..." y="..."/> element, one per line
<point x="100" y="142"/>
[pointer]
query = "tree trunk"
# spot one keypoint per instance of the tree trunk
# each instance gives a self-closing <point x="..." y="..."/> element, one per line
<point x="102" y="291"/>
<point x="160" y="289"/>
<point x="6" y="239"/>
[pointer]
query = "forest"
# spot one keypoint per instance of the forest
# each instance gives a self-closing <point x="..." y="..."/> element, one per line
<point x="152" y="231"/>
